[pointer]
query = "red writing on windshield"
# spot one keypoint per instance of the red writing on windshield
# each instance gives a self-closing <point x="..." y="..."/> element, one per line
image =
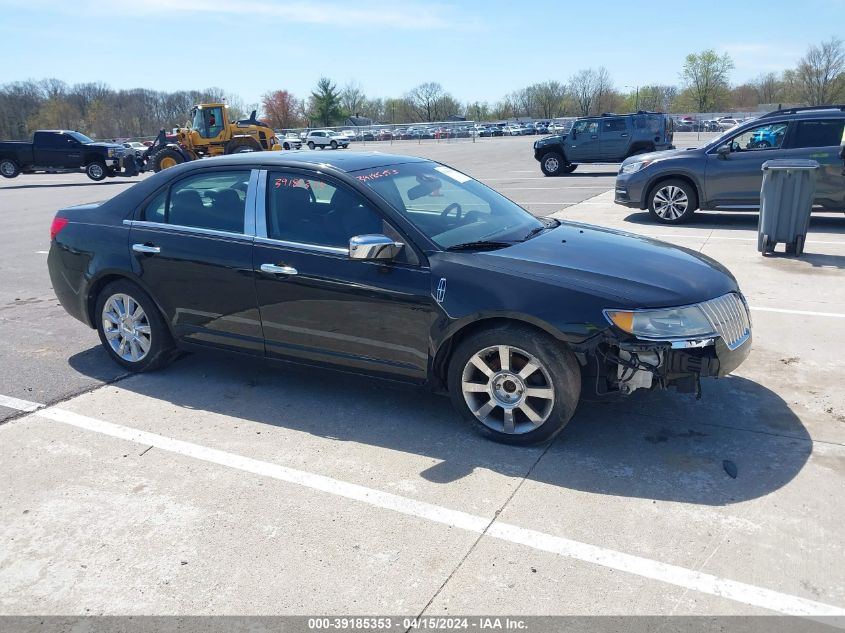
<point x="378" y="174"/>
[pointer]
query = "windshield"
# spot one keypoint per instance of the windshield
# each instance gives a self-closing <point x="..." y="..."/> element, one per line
<point x="80" y="137"/>
<point x="447" y="206"/>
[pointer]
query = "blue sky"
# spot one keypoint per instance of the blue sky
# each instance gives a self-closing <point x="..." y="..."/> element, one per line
<point x="475" y="49"/>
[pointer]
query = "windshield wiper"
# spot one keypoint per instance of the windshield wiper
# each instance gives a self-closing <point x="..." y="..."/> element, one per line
<point x="552" y="223"/>
<point x="479" y="245"/>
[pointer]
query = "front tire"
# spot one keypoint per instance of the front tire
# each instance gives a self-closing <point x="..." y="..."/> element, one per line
<point x="672" y="202"/>
<point x="516" y="385"/>
<point x="131" y="328"/>
<point x="286" y="146"/>
<point x="334" y="144"/>
<point x="167" y="158"/>
<point x="552" y="164"/>
<point x="9" y="168"/>
<point x="310" y="144"/>
<point x="96" y="170"/>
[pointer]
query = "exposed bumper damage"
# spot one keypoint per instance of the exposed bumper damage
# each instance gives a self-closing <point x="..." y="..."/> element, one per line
<point x="612" y="363"/>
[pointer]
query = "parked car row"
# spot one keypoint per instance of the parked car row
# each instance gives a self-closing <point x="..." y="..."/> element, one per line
<point x="416" y="132"/>
<point x="722" y="124"/>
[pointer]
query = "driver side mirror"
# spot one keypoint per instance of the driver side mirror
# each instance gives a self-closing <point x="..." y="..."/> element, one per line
<point x="374" y="247"/>
<point x="723" y="150"/>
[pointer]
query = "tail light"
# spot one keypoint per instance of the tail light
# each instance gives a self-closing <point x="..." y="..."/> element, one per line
<point x="57" y="225"/>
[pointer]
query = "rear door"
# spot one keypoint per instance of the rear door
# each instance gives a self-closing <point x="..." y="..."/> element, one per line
<point x="191" y="244"/>
<point x="615" y="138"/>
<point x="734" y="181"/>
<point x="582" y="143"/>
<point x="821" y="140"/>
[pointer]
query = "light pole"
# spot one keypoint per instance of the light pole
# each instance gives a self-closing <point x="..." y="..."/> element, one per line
<point x="637" y="103"/>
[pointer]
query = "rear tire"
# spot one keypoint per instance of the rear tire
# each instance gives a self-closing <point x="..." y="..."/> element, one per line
<point x="9" y="168"/>
<point x="310" y="144"/>
<point x="286" y="146"/>
<point x="131" y="329"/>
<point x="334" y="144"/>
<point x="96" y="170"/>
<point x="552" y="164"/>
<point x="526" y="399"/>
<point x="672" y="202"/>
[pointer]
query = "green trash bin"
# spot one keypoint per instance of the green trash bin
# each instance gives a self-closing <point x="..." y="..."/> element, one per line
<point x="786" y="199"/>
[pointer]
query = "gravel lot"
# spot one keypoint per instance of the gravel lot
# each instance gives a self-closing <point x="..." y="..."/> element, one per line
<point x="225" y="487"/>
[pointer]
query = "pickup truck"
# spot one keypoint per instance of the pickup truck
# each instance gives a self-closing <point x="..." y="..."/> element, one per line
<point x="60" y="150"/>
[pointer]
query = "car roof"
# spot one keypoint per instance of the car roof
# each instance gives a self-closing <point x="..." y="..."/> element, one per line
<point x="344" y="160"/>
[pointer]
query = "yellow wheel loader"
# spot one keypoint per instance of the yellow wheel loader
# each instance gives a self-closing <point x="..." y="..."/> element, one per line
<point x="210" y="134"/>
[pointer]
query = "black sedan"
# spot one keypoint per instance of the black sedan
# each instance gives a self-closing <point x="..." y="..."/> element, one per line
<point x="398" y="267"/>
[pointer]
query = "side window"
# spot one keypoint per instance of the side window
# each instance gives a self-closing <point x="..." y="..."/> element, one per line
<point x="312" y="211"/>
<point x="214" y="200"/>
<point x="582" y="127"/>
<point x="818" y="133"/>
<point x="760" y="138"/>
<point x="614" y="125"/>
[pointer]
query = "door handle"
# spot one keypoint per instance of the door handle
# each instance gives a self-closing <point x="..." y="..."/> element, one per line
<point x="278" y="270"/>
<point x="594" y="136"/>
<point x="146" y="248"/>
<point x="624" y="135"/>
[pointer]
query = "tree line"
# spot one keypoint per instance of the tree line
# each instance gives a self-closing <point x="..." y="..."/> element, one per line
<point x="704" y="86"/>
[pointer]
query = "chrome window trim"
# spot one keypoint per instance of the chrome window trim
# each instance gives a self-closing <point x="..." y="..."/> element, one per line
<point x="261" y="205"/>
<point x="187" y="229"/>
<point x="327" y="250"/>
<point x="249" y="203"/>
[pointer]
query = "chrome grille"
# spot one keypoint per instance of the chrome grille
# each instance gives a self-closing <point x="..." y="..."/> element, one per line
<point x="729" y="318"/>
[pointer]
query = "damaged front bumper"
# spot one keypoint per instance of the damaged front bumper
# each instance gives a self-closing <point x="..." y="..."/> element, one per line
<point x="626" y="364"/>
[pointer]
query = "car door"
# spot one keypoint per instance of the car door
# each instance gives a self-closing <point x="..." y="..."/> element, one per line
<point x="57" y="150"/>
<point x="615" y="138"/>
<point x="191" y="246"/>
<point x="733" y="180"/>
<point x="318" y="305"/>
<point x="821" y="140"/>
<point x="582" y="143"/>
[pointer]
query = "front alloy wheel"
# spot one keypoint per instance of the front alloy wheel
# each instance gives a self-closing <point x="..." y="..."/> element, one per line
<point x="515" y="384"/>
<point x="673" y="202"/>
<point x="507" y="389"/>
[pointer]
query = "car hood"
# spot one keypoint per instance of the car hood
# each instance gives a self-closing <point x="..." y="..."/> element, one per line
<point x="666" y="153"/>
<point x="630" y="270"/>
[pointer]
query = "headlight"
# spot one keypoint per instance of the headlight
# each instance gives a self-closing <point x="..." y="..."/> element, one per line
<point x="632" y="168"/>
<point x="664" y="323"/>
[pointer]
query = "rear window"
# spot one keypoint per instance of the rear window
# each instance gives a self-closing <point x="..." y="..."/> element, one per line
<point x="818" y="133"/>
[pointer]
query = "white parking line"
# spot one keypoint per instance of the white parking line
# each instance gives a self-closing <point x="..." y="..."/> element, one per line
<point x="636" y="565"/>
<point x="835" y="315"/>
<point x="689" y="236"/>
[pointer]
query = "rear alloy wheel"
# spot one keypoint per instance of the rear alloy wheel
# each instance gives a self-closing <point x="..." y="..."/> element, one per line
<point x="8" y="168"/>
<point x="552" y="164"/>
<point x="516" y="385"/>
<point x="672" y="202"/>
<point x="96" y="170"/>
<point x="131" y="328"/>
